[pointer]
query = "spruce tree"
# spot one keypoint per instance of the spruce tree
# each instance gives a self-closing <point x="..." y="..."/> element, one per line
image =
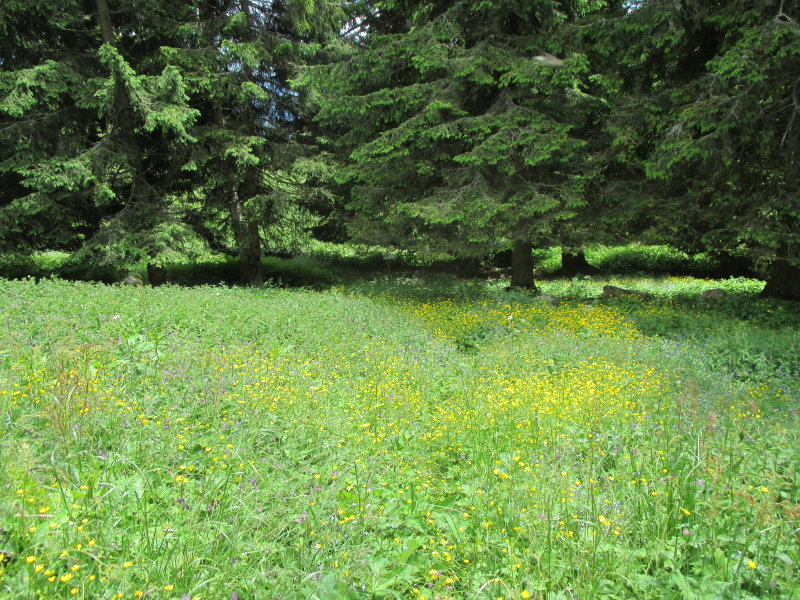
<point x="91" y="116"/>
<point x="462" y="124"/>
<point x="236" y="62"/>
<point x="703" y="132"/>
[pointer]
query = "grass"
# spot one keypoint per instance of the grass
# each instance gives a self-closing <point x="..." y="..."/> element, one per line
<point x="397" y="438"/>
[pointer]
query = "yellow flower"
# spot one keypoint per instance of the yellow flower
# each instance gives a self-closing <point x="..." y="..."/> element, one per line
<point x="66" y="577"/>
<point x="525" y="594"/>
<point x="127" y="564"/>
<point x="30" y="559"/>
<point x="169" y="587"/>
<point x="751" y="564"/>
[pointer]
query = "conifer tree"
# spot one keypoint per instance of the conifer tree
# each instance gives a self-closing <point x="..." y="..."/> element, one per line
<point x="463" y="125"/>
<point x="703" y="135"/>
<point x="236" y="63"/>
<point x="91" y="115"/>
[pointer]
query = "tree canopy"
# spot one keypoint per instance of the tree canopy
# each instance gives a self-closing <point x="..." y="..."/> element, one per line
<point x="454" y="128"/>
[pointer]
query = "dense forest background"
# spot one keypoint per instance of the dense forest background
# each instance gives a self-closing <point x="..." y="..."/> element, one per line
<point x="457" y="129"/>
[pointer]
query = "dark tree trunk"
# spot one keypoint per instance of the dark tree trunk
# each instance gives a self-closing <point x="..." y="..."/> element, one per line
<point x="104" y="20"/>
<point x="156" y="275"/>
<point x="783" y="282"/>
<point x="522" y="266"/>
<point x="574" y="263"/>
<point x="734" y="266"/>
<point x="466" y="268"/>
<point x="240" y="189"/>
<point x="248" y="241"/>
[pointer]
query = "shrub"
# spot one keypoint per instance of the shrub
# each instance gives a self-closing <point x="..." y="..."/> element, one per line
<point x="17" y="266"/>
<point x="290" y="272"/>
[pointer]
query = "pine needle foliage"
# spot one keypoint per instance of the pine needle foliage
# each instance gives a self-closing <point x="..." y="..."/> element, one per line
<point x="463" y="131"/>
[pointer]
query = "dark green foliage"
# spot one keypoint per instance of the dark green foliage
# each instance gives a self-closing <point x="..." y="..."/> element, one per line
<point x="120" y="119"/>
<point x="650" y="259"/>
<point x="453" y="129"/>
<point x="457" y="135"/>
<point x="17" y="266"/>
<point x="703" y="134"/>
<point x="293" y="272"/>
<point x="90" y="118"/>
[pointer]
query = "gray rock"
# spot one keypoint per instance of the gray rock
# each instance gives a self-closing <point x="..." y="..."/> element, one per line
<point x="713" y="294"/>
<point x="612" y="291"/>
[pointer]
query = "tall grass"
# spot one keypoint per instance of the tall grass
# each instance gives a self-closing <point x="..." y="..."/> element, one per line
<point x="404" y="438"/>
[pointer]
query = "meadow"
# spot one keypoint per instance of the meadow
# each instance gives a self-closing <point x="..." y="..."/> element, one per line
<point x="417" y="437"/>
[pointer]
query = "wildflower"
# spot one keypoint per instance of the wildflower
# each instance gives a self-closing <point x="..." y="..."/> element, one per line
<point x="751" y="564"/>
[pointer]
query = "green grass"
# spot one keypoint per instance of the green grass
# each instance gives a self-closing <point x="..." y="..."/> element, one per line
<point x="397" y="438"/>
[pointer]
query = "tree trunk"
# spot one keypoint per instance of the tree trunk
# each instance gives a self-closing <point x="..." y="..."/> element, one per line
<point x="246" y="234"/>
<point x="522" y="266"/>
<point x="156" y="275"/>
<point x="248" y="240"/>
<point x="574" y="263"/>
<point x="251" y="270"/>
<point x="783" y="282"/>
<point x="734" y="266"/>
<point x="104" y="20"/>
<point x="466" y="268"/>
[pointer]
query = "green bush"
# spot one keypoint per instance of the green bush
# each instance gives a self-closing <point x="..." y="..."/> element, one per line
<point x="649" y="259"/>
<point x="49" y="262"/>
<point x="359" y="256"/>
<point x="290" y="272"/>
<point x="76" y="270"/>
<point x="223" y="271"/>
<point x="298" y="272"/>
<point x="17" y="266"/>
